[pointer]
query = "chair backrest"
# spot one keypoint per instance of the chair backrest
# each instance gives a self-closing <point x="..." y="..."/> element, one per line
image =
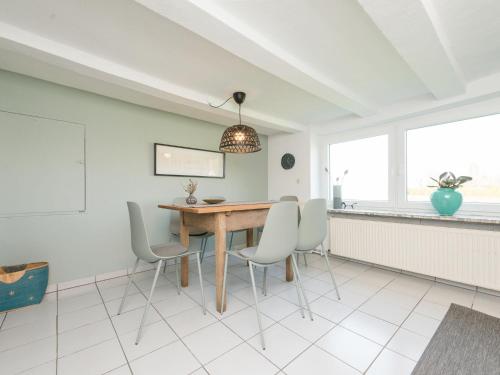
<point x="291" y="198"/>
<point x="279" y="238"/>
<point x="175" y="217"/>
<point x="312" y="227"/>
<point x="138" y="235"/>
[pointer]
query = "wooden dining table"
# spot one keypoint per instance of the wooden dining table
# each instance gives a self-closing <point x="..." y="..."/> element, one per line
<point x="220" y="219"/>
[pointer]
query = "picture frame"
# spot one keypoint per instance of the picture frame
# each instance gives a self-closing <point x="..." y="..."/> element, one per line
<point x="181" y="161"/>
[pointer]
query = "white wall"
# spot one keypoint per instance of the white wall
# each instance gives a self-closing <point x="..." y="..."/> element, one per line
<point x="295" y="181"/>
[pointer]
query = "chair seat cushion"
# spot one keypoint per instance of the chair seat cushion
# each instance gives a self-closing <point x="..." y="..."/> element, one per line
<point x="248" y="252"/>
<point x="199" y="233"/>
<point x="168" y="250"/>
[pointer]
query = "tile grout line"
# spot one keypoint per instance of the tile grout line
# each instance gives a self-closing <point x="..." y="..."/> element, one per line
<point x="397" y="330"/>
<point x="384" y="287"/>
<point x="114" y="329"/>
<point x="169" y="326"/>
<point x="336" y="325"/>
<point x="221" y="320"/>
<point x="347" y="316"/>
<point x="218" y="320"/>
<point x="311" y="343"/>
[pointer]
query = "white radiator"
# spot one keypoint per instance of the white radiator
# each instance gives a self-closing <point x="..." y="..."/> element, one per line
<point x="467" y="256"/>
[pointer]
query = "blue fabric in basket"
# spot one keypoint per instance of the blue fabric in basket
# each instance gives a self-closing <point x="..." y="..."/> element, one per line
<point x="28" y="290"/>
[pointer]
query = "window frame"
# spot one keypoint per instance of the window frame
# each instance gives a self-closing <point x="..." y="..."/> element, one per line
<point x="397" y="163"/>
<point x="402" y="201"/>
<point x="363" y="134"/>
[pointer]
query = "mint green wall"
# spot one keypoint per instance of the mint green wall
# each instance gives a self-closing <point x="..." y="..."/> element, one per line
<point x="119" y="155"/>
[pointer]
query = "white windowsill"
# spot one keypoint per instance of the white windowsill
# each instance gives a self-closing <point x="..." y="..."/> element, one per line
<point x="416" y="215"/>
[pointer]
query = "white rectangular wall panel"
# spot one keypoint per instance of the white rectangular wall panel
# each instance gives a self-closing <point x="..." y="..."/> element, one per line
<point x="42" y="165"/>
<point x="467" y="256"/>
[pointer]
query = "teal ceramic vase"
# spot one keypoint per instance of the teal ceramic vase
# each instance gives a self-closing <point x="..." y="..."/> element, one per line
<point x="446" y="201"/>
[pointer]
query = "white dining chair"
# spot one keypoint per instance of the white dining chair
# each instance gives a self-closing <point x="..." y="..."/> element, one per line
<point x="312" y="232"/>
<point x="278" y="241"/>
<point x="152" y="254"/>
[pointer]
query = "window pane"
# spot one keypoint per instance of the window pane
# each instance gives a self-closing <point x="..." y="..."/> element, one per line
<point x="367" y="162"/>
<point x="468" y="147"/>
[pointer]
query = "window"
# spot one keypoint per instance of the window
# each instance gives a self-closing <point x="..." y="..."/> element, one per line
<point x="367" y="163"/>
<point x="469" y="147"/>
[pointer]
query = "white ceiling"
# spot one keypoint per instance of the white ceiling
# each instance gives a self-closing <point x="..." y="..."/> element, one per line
<point x="324" y="64"/>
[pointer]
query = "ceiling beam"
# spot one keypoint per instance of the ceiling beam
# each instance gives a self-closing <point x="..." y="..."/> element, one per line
<point x="414" y="30"/>
<point x="479" y="91"/>
<point x="126" y="81"/>
<point x="212" y="22"/>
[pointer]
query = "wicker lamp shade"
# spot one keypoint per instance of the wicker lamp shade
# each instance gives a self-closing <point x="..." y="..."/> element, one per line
<point x="240" y="139"/>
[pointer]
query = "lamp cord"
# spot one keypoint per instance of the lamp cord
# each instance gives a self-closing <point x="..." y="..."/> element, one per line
<point x="228" y="99"/>
<point x="220" y="105"/>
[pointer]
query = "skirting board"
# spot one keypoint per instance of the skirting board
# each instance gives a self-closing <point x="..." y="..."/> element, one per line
<point x="51" y="288"/>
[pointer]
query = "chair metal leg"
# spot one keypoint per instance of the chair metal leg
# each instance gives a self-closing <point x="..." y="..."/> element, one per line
<point x="299" y="281"/>
<point x="128" y="286"/>
<point x="148" y="304"/>
<point x="323" y="253"/>
<point x="305" y="260"/>
<point x="201" y="284"/>
<point x="177" y="276"/>
<point x="300" y="298"/>
<point x="257" y="306"/>
<point x="264" y="282"/>
<point x="226" y="261"/>
<point x="231" y="240"/>
<point x="203" y="247"/>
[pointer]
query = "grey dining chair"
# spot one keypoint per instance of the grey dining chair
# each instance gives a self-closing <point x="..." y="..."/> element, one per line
<point x="284" y="198"/>
<point x="294" y="198"/>
<point x="312" y="232"/>
<point x="175" y="227"/>
<point x="152" y="254"/>
<point x="278" y="241"/>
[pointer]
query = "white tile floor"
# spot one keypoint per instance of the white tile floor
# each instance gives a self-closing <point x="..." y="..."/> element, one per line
<point x="381" y="326"/>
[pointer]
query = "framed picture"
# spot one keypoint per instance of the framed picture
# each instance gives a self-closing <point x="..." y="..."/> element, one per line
<point x="188" y="162"/>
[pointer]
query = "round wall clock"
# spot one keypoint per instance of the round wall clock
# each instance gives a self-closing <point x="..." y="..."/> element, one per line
<point x="287" y="161"/>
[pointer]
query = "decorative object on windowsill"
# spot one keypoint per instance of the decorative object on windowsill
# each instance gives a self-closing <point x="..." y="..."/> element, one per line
<point x="287" y="161"/>
<point x="337" y="191"/>
<point x="446" y="200"/>
<point x="190" y="188"/>
<point x="345" y="206"/>
<point x="23" y="285"/>
<point x="239" y="139"/>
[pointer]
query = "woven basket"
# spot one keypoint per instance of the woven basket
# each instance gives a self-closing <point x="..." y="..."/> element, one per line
<point x="23" y="285"/>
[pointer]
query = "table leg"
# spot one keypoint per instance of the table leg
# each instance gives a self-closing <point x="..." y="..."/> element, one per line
<point x="220" y="253"/>
<point x="184" y="236"/>
<point x="249" y="237"/>
<point x="289" y="269"/>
